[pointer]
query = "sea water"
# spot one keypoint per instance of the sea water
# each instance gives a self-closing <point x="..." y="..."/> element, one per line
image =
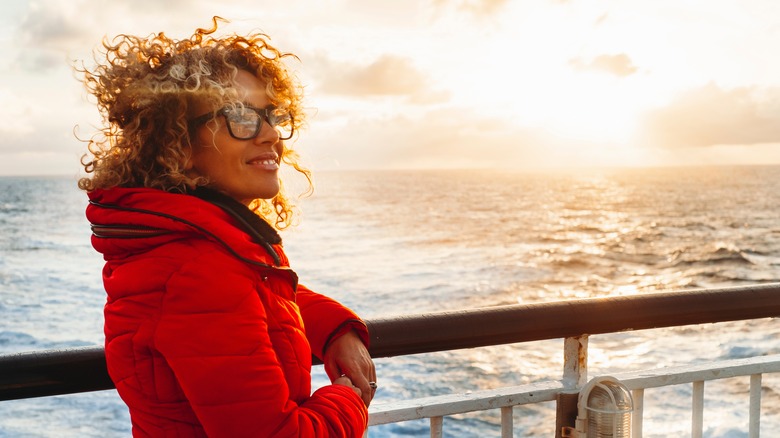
<point x="406" y="242"/>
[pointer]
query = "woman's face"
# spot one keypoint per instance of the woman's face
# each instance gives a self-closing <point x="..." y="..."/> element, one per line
<point x="243" y="169"/>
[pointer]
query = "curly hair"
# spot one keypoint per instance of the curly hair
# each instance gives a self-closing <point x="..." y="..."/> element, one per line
<point x="144" y="87"/>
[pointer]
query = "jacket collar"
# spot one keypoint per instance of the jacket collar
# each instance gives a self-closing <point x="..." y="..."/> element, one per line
<point x="143" y="212"/>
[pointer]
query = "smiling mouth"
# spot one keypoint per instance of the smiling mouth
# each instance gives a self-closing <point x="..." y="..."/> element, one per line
<point x="268" y="162"/>
<point x="264" y="162"/>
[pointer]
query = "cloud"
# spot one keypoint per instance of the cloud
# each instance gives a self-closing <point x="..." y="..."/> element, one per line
<point x="601" y="19"/>
<point x="47" y="32"/>
<point x="52" y="32"/>
<point x="480" y="8"/>
<point x="484" y="7"/>
<point x="388" y="75"/>
<point x="48" y="26"/>
<point x="40" y="61"/>
<point x="710" y="116"/>
<point x="619" y="65"/>
<point x="38" y="137"/>
<point x="436" y="139"/>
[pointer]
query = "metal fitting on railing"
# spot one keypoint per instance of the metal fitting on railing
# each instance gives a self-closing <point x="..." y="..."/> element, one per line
<point x="604" y="410"/>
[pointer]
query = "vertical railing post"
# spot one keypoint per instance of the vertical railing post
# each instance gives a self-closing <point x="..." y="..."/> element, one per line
<point x="697" y="414"/>
<point x="575" y="362"/>
<point x="437" y="424"/>
<point x="507" y="426"/>
<point x="754" y="426"/>
<point x="575" y="375"/>
<point x="639" y="410"/>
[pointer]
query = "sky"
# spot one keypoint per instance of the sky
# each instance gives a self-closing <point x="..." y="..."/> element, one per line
<point x="419" y="84"/>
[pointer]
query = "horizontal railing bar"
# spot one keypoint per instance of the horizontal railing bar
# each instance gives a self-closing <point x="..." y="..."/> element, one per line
<point x="499" y="325"/>
<point x="53" y="372"/>
<point x="700" y="372"/>
<point x="453" y="404"/>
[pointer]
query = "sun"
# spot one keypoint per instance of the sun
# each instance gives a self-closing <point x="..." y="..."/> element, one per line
<point x="583" y="114"/>
<point x="585" y="107"/>
<point x="583" y="117"/>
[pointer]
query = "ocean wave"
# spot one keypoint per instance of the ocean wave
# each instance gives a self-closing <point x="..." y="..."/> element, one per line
<point x="760" y="259"/>
<point x="570" y="261"/>
<point x="749" y="276"/>
<point x="741" y="352"/>
<point x="12" y="209"/>
<point x="729" y="254"/>
<point x="14" y="341"/>
<point x="15" y="240"/>
<point x="17" y="340"/>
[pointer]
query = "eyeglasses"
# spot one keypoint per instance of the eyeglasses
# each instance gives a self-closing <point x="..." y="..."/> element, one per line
<point x="244" y="122"/>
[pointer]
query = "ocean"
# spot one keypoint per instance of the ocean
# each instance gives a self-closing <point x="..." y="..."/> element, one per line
<point x="406" y="242"/>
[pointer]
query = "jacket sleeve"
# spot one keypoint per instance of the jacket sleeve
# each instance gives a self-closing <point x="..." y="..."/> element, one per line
<point x="325" y="320"/>
<point x="213" y="334"/>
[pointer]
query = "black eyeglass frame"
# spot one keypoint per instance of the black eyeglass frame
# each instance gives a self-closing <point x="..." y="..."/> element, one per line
<point x="266" y="115"/>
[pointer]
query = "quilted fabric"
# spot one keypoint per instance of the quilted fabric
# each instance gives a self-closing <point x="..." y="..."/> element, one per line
<point x="204" y="335"/>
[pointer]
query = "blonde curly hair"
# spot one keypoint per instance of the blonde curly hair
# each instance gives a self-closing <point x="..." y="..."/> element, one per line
<point x="144" y="86"/>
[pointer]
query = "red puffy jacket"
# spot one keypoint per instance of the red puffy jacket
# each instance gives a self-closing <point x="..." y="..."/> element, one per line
<point x="206" y="332"/>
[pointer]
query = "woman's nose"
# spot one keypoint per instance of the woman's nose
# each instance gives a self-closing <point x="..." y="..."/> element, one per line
<point x="267" y="134"/>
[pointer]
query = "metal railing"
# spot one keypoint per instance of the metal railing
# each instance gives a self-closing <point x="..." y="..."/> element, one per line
<point x="507" y="398"/>
<point x="54" y="372"/>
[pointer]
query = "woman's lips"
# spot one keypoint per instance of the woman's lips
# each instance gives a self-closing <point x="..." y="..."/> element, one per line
<point x="268" y="161"/>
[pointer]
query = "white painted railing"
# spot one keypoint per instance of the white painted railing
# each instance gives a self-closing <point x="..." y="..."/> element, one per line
<point x="574" y="376"/>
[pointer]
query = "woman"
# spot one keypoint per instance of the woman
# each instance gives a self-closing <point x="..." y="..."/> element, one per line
<point x="208" y="332"/>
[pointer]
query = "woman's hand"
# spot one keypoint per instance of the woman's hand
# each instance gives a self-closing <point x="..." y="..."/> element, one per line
<point x="347" y="362"/>
<point x="346" y="381"/>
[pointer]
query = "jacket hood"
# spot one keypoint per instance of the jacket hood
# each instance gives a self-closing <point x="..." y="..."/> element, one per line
<point x="127" y="221"/>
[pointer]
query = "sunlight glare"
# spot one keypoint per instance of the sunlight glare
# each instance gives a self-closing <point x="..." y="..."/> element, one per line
<point x="586" y="115"/>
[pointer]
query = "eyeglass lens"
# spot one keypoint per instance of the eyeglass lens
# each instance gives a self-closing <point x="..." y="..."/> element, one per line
<point x="245" y="123"/>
